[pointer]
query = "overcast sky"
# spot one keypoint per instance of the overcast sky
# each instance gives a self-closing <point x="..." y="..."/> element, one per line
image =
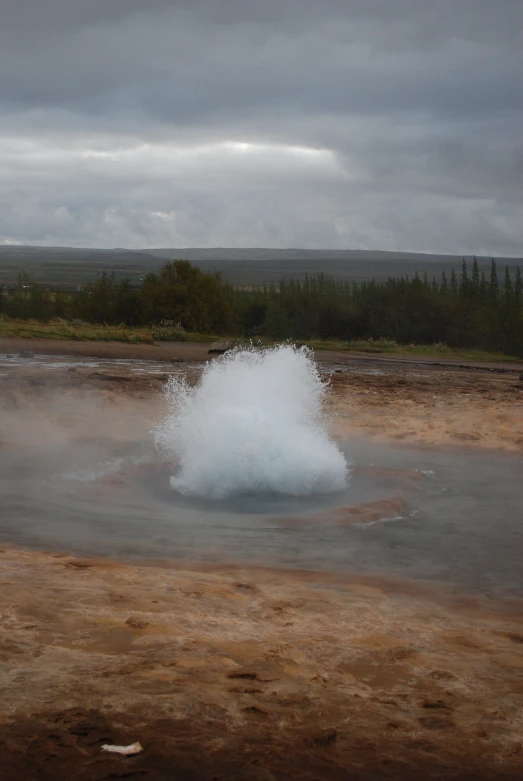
<point x="365" y="124"/>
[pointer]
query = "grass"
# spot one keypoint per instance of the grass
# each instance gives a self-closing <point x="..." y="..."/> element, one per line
<point x="78" y="330"/>
<point x="189" y="336"/>
<point x="62" y="329"/>
<point x="377" y="347"/>
<point x="435" y="351"/>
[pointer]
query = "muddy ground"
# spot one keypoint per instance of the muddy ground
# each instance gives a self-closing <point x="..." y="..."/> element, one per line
<point x="431" y="405"/>
<point x="236" y="673"/>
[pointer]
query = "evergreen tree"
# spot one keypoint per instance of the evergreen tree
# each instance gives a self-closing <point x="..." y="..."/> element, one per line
<point x="518" y="289"/>
<point x="59" y="304"/>
<point x="464" y="279"/>
<point x="469" y="312"/>
<point x="507" y="288"/>
<point x="38" y="304"/>
<point x="453" y="284"/>
<point x="493" y="287"/>
<point x="483" y="288"/>
<point x="475" y="280"/>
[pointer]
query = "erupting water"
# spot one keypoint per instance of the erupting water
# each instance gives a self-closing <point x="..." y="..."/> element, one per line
<point x="254" y="423"/>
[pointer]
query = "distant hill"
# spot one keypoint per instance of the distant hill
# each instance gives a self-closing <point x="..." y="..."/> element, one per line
<point x="68" y="267"/>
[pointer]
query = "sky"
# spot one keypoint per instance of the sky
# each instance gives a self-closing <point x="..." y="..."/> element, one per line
<point x="345" y="124"/>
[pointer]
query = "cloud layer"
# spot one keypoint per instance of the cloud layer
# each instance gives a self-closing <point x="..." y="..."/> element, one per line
<point x="346" y="124"/>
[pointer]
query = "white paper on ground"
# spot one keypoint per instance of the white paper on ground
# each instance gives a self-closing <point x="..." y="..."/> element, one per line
<point x="134" y="748"/>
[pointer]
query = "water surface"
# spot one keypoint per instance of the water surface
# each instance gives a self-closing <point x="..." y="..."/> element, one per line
<point x="461" y="525"/>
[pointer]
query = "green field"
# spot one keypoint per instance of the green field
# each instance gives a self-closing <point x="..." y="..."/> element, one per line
<point x="429" y="351"/>
<point x="61" y="329"/>
<point x="33" y="329"/>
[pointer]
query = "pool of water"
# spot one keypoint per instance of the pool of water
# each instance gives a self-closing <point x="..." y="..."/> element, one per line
<point x="51" y="363"/>
<point x="461" y="518"/>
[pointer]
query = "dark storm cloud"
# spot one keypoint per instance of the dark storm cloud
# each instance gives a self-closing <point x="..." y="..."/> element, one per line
<point x="370" y="123"/>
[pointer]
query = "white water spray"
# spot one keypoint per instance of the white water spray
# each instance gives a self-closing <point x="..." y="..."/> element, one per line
<point x="254" y="423"/>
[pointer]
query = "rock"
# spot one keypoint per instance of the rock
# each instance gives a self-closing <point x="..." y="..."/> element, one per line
<point x="9" y="355"/>
<point x="26" y="354"/>
<point x="221" y="347"/>
<point x="521" y="377"/>
<point x="71" y="369"/>
<point x="177" y="360"/>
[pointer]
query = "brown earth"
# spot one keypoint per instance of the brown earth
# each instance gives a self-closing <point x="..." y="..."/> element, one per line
<point x="233" y="673"/>
<point x="251" y="674"/>
<point x="431" y="405"/>
<point x="161" y="351"/>
<point x="382" y="398"/>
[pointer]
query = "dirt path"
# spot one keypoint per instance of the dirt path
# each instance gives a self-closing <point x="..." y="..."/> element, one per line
<point x="162" y="351"/>
<point x="199" y="351"/>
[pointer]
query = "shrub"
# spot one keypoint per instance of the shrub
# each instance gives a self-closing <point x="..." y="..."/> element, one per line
<point x="169" y="331"/>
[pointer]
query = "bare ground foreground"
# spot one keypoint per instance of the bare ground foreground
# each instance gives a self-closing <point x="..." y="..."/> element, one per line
<point x="228" y="672"/>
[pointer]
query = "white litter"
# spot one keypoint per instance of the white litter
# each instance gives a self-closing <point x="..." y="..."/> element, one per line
<point x="128" y="751"/>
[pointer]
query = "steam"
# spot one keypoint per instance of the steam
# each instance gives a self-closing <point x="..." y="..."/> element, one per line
<point x="254" y="423"/>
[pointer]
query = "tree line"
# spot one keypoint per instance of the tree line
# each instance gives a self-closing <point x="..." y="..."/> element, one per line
<point x="467" y="309"/>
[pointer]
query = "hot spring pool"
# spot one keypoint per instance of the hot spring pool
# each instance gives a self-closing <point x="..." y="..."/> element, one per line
<point x="461" y="522"/>
<point x="242" y="470"/>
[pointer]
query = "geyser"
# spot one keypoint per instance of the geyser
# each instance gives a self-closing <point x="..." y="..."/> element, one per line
<point x="254" y="423"/>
